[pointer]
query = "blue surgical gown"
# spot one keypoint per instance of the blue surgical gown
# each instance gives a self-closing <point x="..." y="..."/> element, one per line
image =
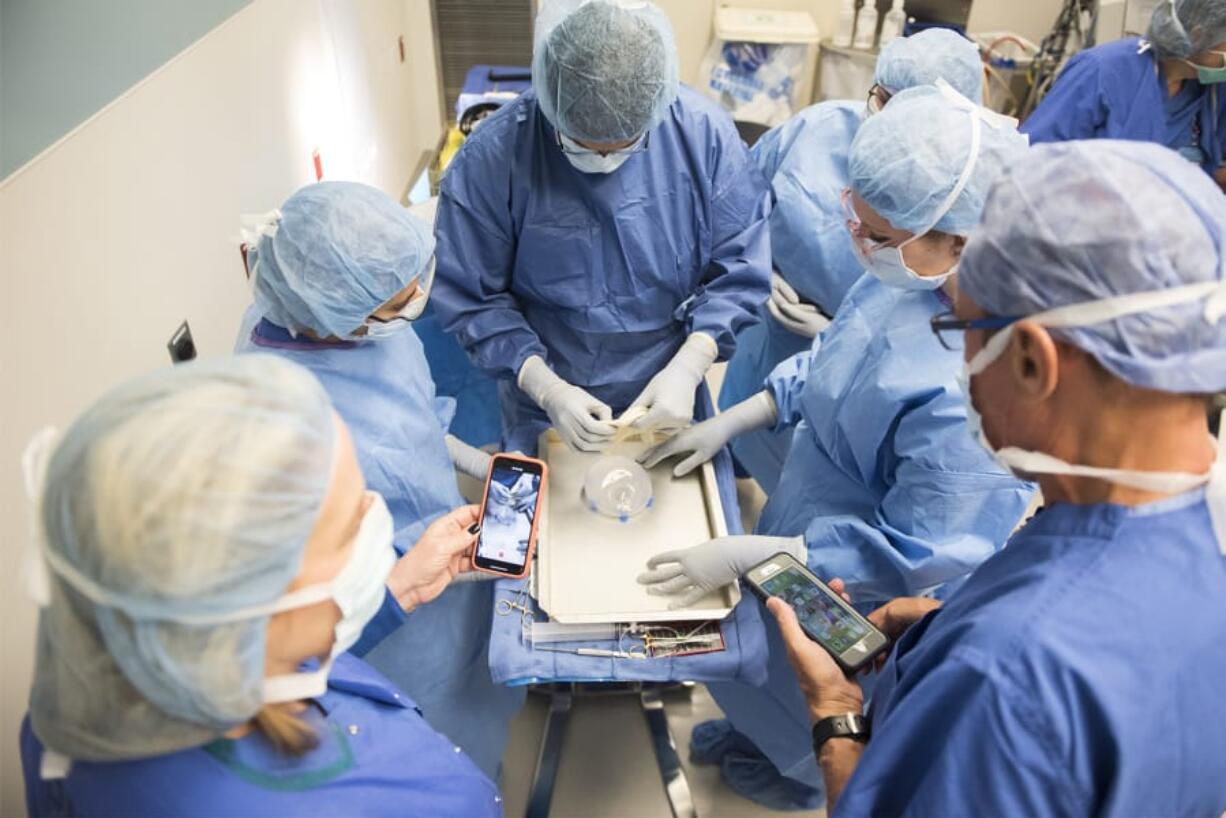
<point x="1114" y="92"/>
<point x="884" y="481"/>
<point x="805" y="161"/>
<point x="376" y="757"/>
<point x="602" y="275"/>
<point x="382" y="390"/>
<point x="1077" y="672"/>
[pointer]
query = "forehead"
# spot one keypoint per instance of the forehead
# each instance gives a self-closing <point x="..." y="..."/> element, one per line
<point x="870" y="218"/>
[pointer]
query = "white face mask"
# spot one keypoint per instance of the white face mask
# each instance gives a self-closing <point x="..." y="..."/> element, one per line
<point x="889" y="265"/>
<point x="410" y="312"/>
<point x="1025" y="463"/>
<point x="358" y="591"/>
<point x="589" y="161"/>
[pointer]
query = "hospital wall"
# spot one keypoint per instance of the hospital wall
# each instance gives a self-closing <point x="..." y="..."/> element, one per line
<point x="112" y="236"/>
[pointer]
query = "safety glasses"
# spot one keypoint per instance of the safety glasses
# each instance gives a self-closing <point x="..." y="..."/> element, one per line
<point x="638" y="146"/>
<point x="856" y="228"/>
<point x="948" y="329"/>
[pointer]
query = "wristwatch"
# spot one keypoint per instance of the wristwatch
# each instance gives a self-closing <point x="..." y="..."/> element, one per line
<point x="848" y="725"/>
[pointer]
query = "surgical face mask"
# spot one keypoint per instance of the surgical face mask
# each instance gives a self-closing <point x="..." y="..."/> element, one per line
<point x="1210" y="76"/>
<point x="358" y="591"/>
<point x="410" y="312"/>
<point x="889" y="265"/>
<point x="1025" y="463"/>
<point x="589" y="161"/>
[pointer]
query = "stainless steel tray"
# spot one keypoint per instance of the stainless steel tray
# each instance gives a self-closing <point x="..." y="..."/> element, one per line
<point x="586" y="563"/>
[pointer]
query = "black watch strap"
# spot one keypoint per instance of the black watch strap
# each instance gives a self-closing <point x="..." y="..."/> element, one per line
<point x="848" y="725"/>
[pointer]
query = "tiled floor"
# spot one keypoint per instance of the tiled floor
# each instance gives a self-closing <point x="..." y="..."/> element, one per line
<point x="608" y="768"/>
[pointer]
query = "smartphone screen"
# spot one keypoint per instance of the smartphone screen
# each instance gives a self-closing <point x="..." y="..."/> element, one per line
<point x="825" y="618"/>
<point x="828" y="622"/>
<point x="507" y="520"/>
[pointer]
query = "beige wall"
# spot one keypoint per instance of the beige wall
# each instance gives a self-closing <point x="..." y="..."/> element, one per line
<point x="113" y="236"/>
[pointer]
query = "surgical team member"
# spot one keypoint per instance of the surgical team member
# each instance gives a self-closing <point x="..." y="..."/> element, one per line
<point x="805" y="160"/>
<point x="1078" y="671"/>
<point x="212" y="553"/>
<point x="882" y="485"/>
<point x="602" y="238"/>
<point x="1163" y="89"/>
<point x="338" y="278"/>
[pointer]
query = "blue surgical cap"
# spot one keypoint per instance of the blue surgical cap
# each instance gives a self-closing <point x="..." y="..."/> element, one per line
<point x="930" y="55"/>
<point x="1084" y="221"/>
<point x="907" y="160"/>
<point x="604" y="70"/>
<point x="181" y="497"/>
<point x="1181" y="28"/>
<point x="338" y="252"/>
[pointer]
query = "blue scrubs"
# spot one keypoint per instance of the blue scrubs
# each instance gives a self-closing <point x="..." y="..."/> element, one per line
<point x="602" y="275"/>
<point x="383" y="392"/>
<point x="1114" y="92"/>
<point x="883" y="480"/>
<point x="805" y="160"/>
<point x="376" y="757"/>
<point x="1077" y="672"/>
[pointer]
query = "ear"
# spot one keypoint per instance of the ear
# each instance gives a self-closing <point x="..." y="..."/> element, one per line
<point x="1034" y="362"/>
<point x="959" y="245"/>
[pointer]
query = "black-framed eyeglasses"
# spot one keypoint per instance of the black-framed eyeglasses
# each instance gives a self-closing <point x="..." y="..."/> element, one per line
<point x="947" y="328"/>
<point x="878" y="96"/>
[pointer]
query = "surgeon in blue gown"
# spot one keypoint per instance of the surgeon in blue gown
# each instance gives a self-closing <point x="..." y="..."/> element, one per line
<point x="339" y="277"/>
<point x="602" y="238"/>
<point x="1078" y="671"/>
<point x="882" y="485"/>
<point x="805" y="160"/>
<point x="1165" y="88"/>
<point x="208" y="541"/>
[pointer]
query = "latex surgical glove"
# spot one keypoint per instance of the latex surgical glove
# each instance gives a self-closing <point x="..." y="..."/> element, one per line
<point x="796" y="316"/>
<point x="827" y="690"/>
<point x="468" y="459"/>
<point x="439" y="556"/>
<point x="692" y="573"/>
<point x="668" y="399"/>
<point x="702" y="442"/>
<point x="584" y="423"/>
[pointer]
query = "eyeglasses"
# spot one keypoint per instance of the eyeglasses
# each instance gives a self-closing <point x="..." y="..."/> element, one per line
<point x="878" y="96"/>
<point x="638" y="146"/>
<point x="856" y="227"/>
<point x="946" y="328"/>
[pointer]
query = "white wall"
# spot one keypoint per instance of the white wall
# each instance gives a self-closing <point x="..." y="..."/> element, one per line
<point x="118" y="232"/>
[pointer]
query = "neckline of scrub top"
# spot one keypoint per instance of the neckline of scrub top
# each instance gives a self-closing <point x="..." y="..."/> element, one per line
<point x="1101" y="520"/>
<point x="267" y="334"/>
<point x="256" y="761"/>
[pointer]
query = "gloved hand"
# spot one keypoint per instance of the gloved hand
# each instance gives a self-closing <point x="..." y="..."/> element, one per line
<point x="468" y="459"/>
<point x="797" y="317"/>
<point x="692" y="573"/>
<point x="440" y="554"/>
<point x="703" y="442"/>
<point x="583" y="422"/>
<point x="669" y="396"/>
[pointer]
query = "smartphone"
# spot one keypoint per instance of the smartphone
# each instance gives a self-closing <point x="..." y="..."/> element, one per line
<point x="509" y="513"/>
<point x="851" y="639"/>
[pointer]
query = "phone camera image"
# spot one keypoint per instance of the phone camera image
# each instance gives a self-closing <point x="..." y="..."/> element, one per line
<point x="827" y="621"/>
<point x="510" y="507"/>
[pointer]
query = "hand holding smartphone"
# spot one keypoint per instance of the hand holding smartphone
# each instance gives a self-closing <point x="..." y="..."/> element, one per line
<point x="510" y="510"/>
<point x="825" y="618"/>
